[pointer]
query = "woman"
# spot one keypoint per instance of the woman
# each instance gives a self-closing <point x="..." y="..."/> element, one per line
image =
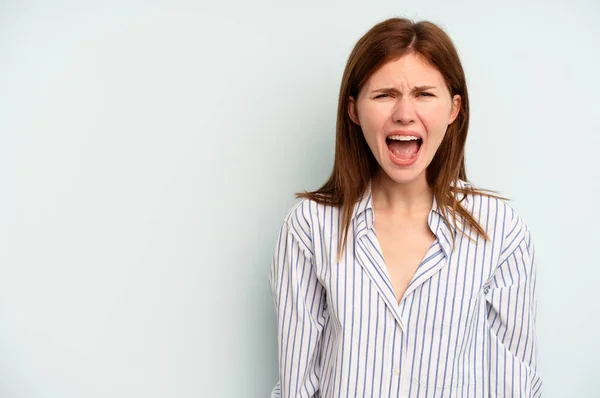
<point x="398" y="278"/>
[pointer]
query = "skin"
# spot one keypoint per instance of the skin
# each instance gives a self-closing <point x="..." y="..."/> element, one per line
<point x="404" y="94"/>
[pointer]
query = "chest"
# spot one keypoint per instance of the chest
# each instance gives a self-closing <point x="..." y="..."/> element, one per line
<point x="403" y="250"/>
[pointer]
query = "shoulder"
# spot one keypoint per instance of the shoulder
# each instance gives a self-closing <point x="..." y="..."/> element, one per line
<point x="302" y="221"/>
<point x="501" y="220"/>
<point x="517" y="232"/>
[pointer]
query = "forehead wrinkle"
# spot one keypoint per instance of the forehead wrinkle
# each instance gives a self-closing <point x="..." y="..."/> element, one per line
<point x="403" y="76"/>
<point x="389" y="82"/>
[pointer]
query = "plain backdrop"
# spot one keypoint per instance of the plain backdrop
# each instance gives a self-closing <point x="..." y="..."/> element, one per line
<point x="150" y="150"/>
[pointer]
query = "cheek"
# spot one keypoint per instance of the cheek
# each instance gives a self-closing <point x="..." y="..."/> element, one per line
<point x="372" y="123"/>
<point x="435" y="119"/>
<point x="374" y="118"/>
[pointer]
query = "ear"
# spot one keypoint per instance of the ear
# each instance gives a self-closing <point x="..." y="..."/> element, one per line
<point x="352" y="112"/>
<point x="456" y="104"/>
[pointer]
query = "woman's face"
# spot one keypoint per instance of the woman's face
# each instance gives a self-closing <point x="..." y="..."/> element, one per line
<point x="404" y="110"/>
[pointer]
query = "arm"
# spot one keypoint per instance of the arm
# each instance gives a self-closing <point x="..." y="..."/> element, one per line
<point x="299" y="303"/>
<point x="511" y="312"/>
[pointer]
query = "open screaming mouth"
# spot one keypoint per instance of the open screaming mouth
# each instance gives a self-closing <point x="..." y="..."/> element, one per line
<point x="404" y="147"/>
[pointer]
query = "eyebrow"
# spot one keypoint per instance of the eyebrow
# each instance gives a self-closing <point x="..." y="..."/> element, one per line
<point x="395" y="91"/>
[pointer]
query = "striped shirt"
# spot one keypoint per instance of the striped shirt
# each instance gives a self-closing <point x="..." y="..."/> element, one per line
<point x="465" y="326"/>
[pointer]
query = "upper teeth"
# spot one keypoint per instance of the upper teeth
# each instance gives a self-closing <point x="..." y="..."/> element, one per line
<point x="403" y="137"/>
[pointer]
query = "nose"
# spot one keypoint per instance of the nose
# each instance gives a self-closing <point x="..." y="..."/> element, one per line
<point x="404" y="111"/>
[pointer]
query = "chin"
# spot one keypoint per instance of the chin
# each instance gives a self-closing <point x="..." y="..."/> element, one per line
<point x="404" y="177"/>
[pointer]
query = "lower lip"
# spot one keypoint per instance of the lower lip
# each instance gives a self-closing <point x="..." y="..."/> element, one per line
<point x="407" y="162"/>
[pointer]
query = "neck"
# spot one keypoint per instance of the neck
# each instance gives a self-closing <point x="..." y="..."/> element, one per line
<point x="412" y="198"/>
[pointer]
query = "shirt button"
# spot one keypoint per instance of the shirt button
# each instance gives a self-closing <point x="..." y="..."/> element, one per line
<point x="396" y="372"/>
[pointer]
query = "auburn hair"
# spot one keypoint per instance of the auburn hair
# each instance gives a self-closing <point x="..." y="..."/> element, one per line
<point x="354" y="163"/>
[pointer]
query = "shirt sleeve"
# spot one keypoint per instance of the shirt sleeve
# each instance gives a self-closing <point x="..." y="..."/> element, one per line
<point x="511" y="313"/>
<point x="299" y="300"/>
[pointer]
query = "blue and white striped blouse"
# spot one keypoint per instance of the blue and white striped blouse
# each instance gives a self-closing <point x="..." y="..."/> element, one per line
<point x="465" y="326"/>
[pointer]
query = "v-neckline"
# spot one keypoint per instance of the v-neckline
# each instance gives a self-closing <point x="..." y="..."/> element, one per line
<point x="434" y="244"/>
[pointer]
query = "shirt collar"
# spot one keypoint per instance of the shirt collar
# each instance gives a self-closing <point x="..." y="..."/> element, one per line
<point x="364" y="218"/>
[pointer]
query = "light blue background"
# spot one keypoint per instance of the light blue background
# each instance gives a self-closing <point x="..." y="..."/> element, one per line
<point x="150" y="150"/>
